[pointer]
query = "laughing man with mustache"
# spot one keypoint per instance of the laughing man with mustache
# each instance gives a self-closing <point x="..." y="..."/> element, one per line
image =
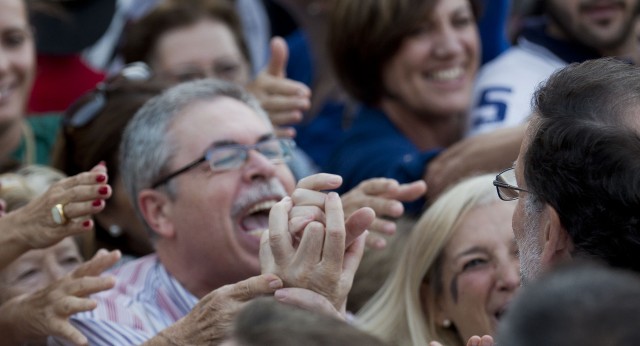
<point x="204" y="168"/>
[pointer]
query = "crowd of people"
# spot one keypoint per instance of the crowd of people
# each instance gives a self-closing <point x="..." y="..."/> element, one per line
<point x="286" y="172"/>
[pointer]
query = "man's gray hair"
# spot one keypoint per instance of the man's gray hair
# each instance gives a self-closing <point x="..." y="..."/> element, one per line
<point x="146" y="148"/>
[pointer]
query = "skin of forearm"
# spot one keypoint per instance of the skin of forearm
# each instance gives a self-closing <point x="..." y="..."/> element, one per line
<point x="13" y="245"/>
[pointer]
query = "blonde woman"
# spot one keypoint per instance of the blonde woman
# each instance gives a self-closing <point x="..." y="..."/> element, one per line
<point x="457" y="275"/>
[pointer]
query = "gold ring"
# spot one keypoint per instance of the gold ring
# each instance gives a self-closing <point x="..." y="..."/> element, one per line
<point x="57" y="212"/>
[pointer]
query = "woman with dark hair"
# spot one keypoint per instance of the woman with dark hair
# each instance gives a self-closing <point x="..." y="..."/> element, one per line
<point x="411" y="64"/>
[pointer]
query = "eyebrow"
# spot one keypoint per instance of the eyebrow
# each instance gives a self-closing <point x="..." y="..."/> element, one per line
<point x="229" y="142"/>
<point x="471" y="250"/>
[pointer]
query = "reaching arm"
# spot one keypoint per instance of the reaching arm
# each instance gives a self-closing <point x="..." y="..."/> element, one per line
<point x="33" y="226"/>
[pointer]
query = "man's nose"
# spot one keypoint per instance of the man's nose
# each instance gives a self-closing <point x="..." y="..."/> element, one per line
<point x="258" y="166"/>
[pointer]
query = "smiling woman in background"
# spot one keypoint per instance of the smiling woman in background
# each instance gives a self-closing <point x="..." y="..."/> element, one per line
<point x="22" y="141"/>
<point x="456" y="276"/>
<point x="411" y="64"/>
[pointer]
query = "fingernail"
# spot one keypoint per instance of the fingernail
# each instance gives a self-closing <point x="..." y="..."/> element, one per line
<point x="102" y="251"/>
<point x="103" y="190"/>
<point x="389" y="228"/>
<point x="102" y="163"/>
<point x="280" y="294"/>
<point x="101" y="178"/>
<point x="97" y="203"/>
<point x="275" y="284"/>
<point x="86" y="224"/>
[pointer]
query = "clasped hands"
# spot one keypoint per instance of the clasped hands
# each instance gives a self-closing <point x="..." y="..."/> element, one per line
<point x="312" y="247"/>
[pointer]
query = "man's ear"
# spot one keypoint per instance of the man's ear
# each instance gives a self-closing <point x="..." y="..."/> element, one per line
<point x="156" y="208"/>
<point x="557" y="243"/>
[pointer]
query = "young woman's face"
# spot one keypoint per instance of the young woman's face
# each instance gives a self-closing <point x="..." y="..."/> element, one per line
<point x="480" y="272"/>
<point x="206" y="49"/>
<point x="38" y="268"/>
<point x="17" y="60"/>
<point x="434" y="69"/>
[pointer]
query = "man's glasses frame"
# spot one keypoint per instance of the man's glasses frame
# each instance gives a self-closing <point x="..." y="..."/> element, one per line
<point x="236" y="156"/>
<point x="505" y="185"/>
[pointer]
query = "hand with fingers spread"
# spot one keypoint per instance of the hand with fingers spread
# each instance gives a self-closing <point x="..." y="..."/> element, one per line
<point x="62" y="211"/>
<point x="322" y="261"/>
<point x="283" y="99"/>
<point x="385" y="197"/>
<point x="210" y="320"/>
<point x="34" y="316"/>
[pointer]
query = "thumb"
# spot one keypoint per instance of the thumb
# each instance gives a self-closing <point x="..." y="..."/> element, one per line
<point x="279" y="57"/>
<point x="255" y="286"/>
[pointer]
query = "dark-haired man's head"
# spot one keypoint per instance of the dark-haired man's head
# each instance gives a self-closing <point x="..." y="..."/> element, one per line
<point x="583" y="305"/>
<point x="579" y="166"/>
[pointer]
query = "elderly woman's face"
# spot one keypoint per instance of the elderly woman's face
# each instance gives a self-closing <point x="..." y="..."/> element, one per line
<point x="434" y="69"/>
<point x="480" y="271"/>
<point x="17" y="60"/>
<point x="206" y="49"/>
<point x="38" y="268"/>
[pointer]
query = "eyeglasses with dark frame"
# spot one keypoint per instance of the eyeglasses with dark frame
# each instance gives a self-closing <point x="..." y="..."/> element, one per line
<point x="506" y="185"/>
<point x="89" y="106"/>
<point x="231" y="156"/>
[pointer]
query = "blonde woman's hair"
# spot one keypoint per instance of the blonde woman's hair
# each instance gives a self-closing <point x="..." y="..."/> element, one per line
<point x="396" y="312"/>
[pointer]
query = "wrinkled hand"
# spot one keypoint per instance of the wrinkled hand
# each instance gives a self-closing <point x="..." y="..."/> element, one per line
<point x="309" y="203"/>
<point x="385" y="197"/>
<point x="77" y="194"/>
<point x="283" y="99"/>
<point x="210" y="320"/>
<point x="484" y="153"/>
<point x="308" y="300"/>
<point x="46" y="312"/>
<point x="322" y="262"/>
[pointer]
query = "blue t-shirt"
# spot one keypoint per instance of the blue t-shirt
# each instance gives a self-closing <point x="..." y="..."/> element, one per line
<point x="319" y="134"/>
<point x="374" y="147"/>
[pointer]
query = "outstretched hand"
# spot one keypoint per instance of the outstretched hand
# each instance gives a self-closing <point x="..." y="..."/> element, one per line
<point x="322" y="262"/>
<point x="80" y="196"/>
<point x="209" y="321"/>
<point x="385" y="197"/>
<point x="309" y="205"/>
<point x="46" y="312"/>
